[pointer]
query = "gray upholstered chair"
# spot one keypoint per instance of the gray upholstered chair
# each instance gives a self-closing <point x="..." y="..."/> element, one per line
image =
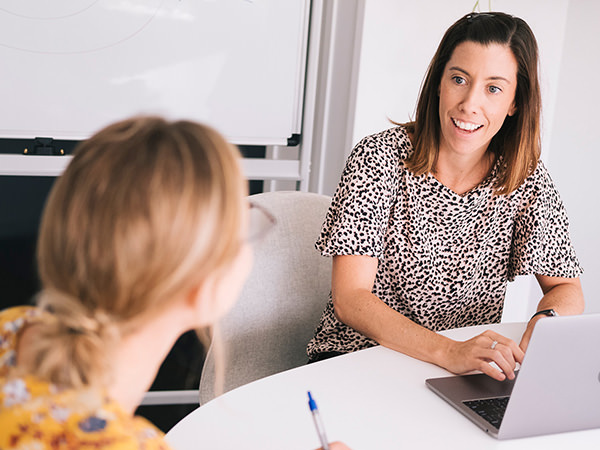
<point x="281" y="303"/>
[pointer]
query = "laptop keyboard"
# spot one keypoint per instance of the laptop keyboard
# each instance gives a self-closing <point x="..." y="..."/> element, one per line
<point x="491" y="409"/>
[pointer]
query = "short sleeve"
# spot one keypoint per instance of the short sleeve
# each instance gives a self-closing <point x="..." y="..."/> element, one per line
<point x="357" y="220"/>
<point x="541" y="242"/>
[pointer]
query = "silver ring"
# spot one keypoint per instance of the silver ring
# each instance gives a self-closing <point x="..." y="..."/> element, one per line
<point x="494" y="344"/>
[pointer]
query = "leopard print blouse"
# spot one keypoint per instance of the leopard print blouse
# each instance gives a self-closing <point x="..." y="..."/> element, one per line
<point x="444" y="259"/>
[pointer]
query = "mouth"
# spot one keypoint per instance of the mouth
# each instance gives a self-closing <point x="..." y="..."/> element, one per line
<point x="468" y="127"/>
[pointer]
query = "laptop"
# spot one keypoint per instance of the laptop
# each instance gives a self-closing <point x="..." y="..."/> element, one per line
<point x="557" y="388"/>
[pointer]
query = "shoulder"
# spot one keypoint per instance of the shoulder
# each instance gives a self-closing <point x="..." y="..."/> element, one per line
<point x="538" y="195"/>
<point x="12" y="320"/>
<point x="110" y="423"/>
<point x="380" y="155"/>
<point x="540" y="176"/>
<point x="36" y="414"/>
<point x="148" y="436"/>
<point x="393" y="142"/>
<point x="538" y="183"/>
<point x="17" y="315"/>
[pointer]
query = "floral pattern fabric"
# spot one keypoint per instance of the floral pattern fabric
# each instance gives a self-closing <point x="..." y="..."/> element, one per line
<point x="37" y="415"/>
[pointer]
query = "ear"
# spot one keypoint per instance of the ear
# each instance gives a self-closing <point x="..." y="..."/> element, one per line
<point x="512" y="110"/>
<point x="200" y="302"/>
<point x="192" y="296"/>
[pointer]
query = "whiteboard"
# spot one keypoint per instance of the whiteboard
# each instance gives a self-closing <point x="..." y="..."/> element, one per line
<point x="70" y="67"/>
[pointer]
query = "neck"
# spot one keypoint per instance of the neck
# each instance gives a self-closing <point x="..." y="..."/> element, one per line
<point x="140" y="355"/>
<point x="462" y="173"/>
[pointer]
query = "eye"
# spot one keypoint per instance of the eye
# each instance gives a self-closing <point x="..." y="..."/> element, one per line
<point x="494" y="90"/>
<point x="459" y="80"/>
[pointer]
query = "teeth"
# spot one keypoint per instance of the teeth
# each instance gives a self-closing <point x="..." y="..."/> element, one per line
<point x="466" y="126"/>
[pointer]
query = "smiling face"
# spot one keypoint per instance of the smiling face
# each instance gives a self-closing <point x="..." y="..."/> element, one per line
<point x="477" y="92"/>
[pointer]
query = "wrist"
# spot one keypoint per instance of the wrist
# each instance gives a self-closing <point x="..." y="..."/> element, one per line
<point x="442" y="352"/>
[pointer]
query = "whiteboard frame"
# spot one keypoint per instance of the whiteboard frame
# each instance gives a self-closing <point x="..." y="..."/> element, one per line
<point x="53" y="166"/>
<point x="217" y="106"/>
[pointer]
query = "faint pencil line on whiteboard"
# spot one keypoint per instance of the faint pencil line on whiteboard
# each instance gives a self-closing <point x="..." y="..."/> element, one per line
<point x="50" y="18"/>
<point x="154" y="14"/>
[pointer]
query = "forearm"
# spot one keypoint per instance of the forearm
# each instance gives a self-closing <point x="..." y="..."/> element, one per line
<point x="367" y="314"/>
<point x="563" y="295"/>
<point x="370" y="316"/>
<point x="565" y="299"/>
<point x="355" y="305"/>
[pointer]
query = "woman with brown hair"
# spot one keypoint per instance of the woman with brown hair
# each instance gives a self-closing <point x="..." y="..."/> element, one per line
<point x="145" y="236"/>
<point x="432" y="218"/>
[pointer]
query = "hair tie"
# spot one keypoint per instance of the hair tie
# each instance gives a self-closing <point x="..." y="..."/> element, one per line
<point x="72" y="315"/>
<point x="76" y="331"/>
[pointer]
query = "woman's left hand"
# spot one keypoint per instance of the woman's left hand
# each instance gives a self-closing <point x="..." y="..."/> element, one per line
<point x="528" y="332"/>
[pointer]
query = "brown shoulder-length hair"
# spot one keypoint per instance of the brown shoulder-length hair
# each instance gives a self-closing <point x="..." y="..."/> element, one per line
<point x="517" y="143"/>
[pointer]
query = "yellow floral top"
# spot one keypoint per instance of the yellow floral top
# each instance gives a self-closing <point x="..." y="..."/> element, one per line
<point x="37" y="415"/>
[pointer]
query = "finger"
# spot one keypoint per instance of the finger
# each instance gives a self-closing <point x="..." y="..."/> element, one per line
<point x="483" y="340"/>
<point x="507" y="353"/>
<point x="524" y="343"/>
<point x="491" y="371"/>
<point x="337" y="446"/>
<point x="516" y="350"/>
<point x="516" y="353"/>
<point x="497" y="337"/>
<point x="507" y="366"/>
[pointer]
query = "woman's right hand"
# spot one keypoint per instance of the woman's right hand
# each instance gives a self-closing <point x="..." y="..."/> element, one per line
<point x="477" y="353"/>
<point x="336" y="446"/>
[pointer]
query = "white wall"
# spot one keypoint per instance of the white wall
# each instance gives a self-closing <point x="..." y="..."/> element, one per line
<point x="398" y="41"/>
<point x="574" y="151"/>
<point x="400" y="37"/>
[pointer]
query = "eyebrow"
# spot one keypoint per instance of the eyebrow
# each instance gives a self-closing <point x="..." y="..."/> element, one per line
<point x="468" y="74"/>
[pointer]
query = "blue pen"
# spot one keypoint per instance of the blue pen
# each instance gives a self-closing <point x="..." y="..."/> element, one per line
<point x="318" y="422"/>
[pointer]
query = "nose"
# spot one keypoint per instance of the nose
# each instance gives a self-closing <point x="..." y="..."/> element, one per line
<point x="471" y="101"/>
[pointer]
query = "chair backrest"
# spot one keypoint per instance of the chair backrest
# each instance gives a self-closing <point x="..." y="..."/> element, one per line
<point x="280" y="305"/>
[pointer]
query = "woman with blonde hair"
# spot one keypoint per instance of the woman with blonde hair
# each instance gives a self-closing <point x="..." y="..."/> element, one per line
<point x="145" y="236"/>
<point x="432" y="218"/>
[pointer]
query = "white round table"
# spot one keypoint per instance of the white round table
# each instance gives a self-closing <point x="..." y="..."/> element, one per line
<point x="371" y="399"/>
